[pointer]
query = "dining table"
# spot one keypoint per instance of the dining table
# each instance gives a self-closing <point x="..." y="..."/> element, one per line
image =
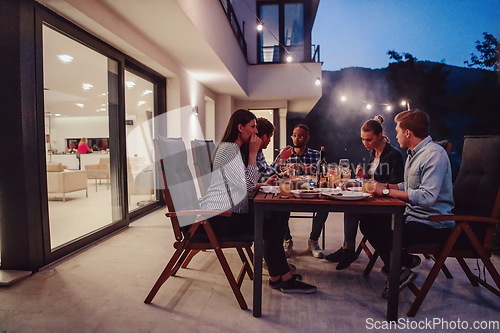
<point x="265" y="202"/>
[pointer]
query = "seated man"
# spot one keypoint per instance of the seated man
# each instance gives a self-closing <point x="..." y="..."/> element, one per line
<point x="306" y="158"/>
<point x="427" y="189"/>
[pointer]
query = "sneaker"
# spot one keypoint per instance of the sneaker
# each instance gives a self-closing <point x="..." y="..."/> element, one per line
<point x="314" y="248"/>
<point x="348" y="257"/>
<point x="406" y="276"/>
<point x="335" y="256"/>
<point x="288" y="246"/>
<point x="297" y="287"/>
<point x="277" y="284"/>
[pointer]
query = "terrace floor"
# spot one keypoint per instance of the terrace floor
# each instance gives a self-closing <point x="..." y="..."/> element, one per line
<point x="102" y="288"/>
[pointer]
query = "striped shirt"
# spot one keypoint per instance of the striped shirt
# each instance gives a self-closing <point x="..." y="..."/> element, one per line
<point x="231" y="186"/>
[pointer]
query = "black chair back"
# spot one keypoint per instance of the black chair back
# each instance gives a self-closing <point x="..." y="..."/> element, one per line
<point x="478" y="180"/>
<point x="203" y="152"/>
<point x="179" y="188"/>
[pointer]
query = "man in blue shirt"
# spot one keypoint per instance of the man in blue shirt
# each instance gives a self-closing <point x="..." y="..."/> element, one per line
<point x="427" y="189"/>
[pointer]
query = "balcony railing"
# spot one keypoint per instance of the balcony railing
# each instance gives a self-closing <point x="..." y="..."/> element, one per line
<point x="233" y="21"/>
<point x="275" y="54"/>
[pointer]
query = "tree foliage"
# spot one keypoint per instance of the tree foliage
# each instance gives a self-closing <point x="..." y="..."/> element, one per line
<point x="488" y="54"/>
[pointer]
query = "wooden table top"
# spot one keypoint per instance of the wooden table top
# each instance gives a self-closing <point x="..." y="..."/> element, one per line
<point x="372" y="201"/>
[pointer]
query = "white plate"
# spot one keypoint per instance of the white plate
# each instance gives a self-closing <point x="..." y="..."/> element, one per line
<point x="346" y="195"/>
<point x="270" y="189"/>
<point x="305" y="194"/>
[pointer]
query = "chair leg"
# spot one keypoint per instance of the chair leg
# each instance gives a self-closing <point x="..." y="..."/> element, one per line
<point x="371" y="263"/>
<point x="180" y="261"/>
<point x="190" y="256"/>
<point x="163" y="276"/>
<point x="225" y="266"/>
<point x="445" y="269"/>
<point x="246" y="266"/>
<point x="250" y="254"/>
<point x="467" y="272"/>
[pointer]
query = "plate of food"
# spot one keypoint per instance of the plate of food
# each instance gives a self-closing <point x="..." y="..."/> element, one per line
<point x="346" y="195"/>
<point x="269" y="189"/>
<point x="306" y="194"/>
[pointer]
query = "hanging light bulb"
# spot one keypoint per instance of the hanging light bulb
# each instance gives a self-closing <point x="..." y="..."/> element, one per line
<point x="388" y="108"/>
<point x="317" y="82"/>
<point x="260" y="26"/>
<point x="403" y="103"/>
<point x="289" y="58"/>
<point x="368" y="106"/>
<point x="343" y="98"/>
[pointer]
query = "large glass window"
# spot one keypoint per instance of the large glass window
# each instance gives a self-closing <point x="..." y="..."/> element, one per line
<point x="139" y="111"/>
<point x="283" y="24"/>
<point x="79" y="84"/>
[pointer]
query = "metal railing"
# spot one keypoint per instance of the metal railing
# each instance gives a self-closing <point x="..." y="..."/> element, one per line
<point x="233" y="21"/>
<point x="315" y="53"/>
<point x="273" y="54"/>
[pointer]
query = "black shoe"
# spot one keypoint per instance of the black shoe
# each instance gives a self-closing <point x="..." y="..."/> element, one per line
<point x="348" y="257"/>
<point x="413" y="262"/>
<point x="277" y="284"/>
<point x="405" y="277"/>
<point x="335" y="256"/>
<point x="297" y="287"/>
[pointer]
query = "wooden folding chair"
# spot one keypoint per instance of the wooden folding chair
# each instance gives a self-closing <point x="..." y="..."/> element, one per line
<point x="477" y="210"/>
<point x="187" y="218"/>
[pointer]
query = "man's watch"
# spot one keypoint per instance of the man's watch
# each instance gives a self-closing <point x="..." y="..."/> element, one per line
<point x="386" y="190"/>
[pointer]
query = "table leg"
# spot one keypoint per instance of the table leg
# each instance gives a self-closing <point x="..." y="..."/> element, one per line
<point x="257" y="262"/>
<point x="395" y="269"/>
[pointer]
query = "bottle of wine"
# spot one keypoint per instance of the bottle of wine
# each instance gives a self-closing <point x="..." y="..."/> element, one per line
<point x="321" y="167"/>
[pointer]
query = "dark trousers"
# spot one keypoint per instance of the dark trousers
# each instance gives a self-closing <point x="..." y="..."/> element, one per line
<point x="378" y="232"/>
<point x="274" y="230"/>
<point x="317" y="226"/>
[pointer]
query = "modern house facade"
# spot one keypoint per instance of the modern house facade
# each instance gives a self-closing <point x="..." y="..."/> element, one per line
<point x="119" y="73"/>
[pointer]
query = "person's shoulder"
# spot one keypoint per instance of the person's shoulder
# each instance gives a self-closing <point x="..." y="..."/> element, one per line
<point x="312" y="151"/>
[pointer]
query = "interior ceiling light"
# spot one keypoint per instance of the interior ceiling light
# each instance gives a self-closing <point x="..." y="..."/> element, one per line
<point x="130" y="84"/>
<point x="87" y="86"/>
<point x="141" y="103"/>
<point x="147" y="92"/>
<point x="80" y="105"/>
<point x="65" y="58"/>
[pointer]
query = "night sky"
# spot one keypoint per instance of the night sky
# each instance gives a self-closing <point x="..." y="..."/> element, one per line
<point x="359" y="33"/>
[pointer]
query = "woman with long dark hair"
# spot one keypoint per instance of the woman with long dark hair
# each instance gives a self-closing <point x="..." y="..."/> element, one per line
<point x="386" y="165"/>
<point x="232" y="188"/>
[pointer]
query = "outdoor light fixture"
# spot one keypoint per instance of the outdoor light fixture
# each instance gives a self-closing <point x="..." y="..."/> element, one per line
<point x="317" y="82"/>
<point x="195" y="110"/>
<point x="289" y="58"/>
<point x="368" y="106"/>
<point x="388" y="108"/>
<point x="260" y="26"/>
<point x="65" y="58"/>
<point x="343" y="98"/>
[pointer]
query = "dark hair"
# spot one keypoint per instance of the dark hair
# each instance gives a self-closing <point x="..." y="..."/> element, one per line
<point x="264" y="126"/>
<point x="373" y="125"/>
<point x="303" y="126"/>
<point x="239" y="117"/>
<point x="416" y="121"/>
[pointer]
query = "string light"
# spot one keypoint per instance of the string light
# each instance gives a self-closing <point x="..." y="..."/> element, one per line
<point x="289" y="58"/>
<point x="368" y="106"/>
<point x="343" y="98"/>
<point x="388" y="108"/>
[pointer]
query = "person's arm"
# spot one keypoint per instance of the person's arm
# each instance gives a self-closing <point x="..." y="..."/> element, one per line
<point x="394" y="191"/>
<point x="265" y="169"/>
<point x="396" y="168"/>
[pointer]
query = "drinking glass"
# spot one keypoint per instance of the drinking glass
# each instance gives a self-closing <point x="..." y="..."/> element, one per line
<point x="284" y="185"/>
<point x="345" y="168"/>
<point x="333" y="174"/>
<point x="369" y="185"/>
